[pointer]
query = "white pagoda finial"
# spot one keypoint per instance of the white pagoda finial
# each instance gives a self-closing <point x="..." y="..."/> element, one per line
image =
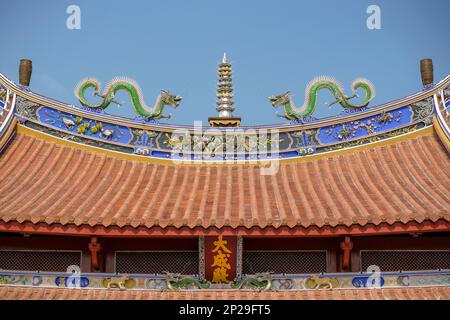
<point x="225" y="89"/>
<point x="224" y="59"/>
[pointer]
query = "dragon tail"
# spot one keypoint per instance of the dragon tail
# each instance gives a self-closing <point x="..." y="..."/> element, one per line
<point x="367" y="85"/>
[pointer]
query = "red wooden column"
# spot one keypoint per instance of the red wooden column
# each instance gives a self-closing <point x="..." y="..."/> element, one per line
<point x="221" y="254"/>
<point x="346" y="247"/>
<point x="95" y="249"/>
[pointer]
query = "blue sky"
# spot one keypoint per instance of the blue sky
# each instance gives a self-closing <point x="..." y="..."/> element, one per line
<point x="274" y="46"/>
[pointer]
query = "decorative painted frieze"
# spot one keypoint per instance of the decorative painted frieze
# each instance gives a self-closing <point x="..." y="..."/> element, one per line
<point x="223" y="145"/>
<point x="261" y="281"/>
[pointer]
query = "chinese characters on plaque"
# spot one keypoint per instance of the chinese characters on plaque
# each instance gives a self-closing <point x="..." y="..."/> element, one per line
<point x="220" y="258"/>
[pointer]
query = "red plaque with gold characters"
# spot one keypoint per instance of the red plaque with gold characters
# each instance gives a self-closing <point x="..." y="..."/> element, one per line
<point x="220" y="258"/>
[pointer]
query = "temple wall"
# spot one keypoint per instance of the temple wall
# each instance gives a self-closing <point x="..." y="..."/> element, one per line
<point x="279" y="255"/>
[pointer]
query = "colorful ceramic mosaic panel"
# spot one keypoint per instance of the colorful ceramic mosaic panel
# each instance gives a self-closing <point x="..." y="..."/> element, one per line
<point x="256" y="282"/>
<point x="220" y="145"/>
<point x="3" y="93"/>
<point x="84" y="126"/>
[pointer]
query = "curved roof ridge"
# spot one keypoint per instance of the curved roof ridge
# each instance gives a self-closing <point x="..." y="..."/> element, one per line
<point x="323" y="121"/>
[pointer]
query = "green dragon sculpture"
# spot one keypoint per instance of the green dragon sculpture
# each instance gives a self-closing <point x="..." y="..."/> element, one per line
<point x="133" y="90"/>
<point x="175" y="281"/>
<point x="309" y="106"/>
<point x="259" y="281"/>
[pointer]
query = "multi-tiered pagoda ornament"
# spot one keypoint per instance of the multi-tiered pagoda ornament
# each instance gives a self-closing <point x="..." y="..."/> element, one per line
<point x="225" y="97"/>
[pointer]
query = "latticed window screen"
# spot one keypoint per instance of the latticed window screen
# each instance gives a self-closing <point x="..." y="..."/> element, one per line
<point x="406" y="260"/>
<point x="151" y="262"/>
<point x="56" y="261"/>
<point x="284" y="262"/>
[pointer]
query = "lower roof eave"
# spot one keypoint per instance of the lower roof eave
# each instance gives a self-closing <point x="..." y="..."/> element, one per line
<point x="441" y="225"/>
<point x="400" y="293"/>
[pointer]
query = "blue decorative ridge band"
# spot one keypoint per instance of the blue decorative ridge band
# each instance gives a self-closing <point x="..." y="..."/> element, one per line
<point x="84" y="126"/>
<point x="364" y="127"/>
<point x="224" y="144"/>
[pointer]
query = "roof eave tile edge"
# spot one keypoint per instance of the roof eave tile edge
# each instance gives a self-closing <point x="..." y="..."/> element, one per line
<point x="427" y="225"/>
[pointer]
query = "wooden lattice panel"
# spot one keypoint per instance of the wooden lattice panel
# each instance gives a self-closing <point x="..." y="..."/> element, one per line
<point x="407" y="260"/>
<point x="56" y="261"/>
<point x="157" y="262"/>
<point x="288" y="262"/>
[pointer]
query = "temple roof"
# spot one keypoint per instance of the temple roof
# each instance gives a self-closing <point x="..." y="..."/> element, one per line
<point x="384" y="168"/>
<point x="53" y="181"/>
<point x="405" y="293"/>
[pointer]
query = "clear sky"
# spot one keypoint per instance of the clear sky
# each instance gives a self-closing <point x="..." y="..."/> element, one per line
<point x="274" y="46"/>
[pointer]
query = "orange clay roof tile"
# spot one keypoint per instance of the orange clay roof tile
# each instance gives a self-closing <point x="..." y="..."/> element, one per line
<point x="402" y="182"/>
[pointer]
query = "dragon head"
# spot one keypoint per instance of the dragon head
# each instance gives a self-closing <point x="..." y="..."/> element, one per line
<point x="172" y="276"/>
<point x="280" y="99"/>
<point x="170" y="99"/>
